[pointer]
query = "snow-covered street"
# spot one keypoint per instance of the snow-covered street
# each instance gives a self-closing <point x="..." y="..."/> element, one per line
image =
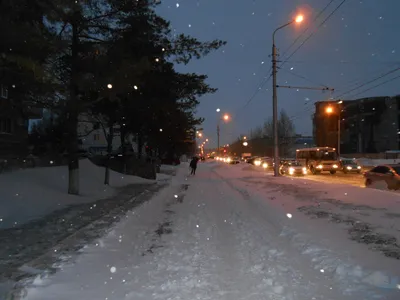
<point x="229" y="233"/>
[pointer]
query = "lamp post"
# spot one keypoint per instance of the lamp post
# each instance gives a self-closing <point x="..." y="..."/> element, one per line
<point x="330" y="110"/>
<point x="224" y="118"/>
<point x="298" y="19"/>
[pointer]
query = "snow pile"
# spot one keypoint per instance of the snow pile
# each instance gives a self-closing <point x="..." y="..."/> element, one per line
<point x="374" y="162"/>
<point x="32" y="193"/>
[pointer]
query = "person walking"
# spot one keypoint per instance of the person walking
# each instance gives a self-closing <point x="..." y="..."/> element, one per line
<point x="193" y="165"/>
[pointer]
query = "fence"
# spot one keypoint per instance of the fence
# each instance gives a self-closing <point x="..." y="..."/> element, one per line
<point x="14" y="164"/>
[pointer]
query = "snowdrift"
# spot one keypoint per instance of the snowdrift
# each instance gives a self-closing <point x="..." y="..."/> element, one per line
<point x="32" y="193"/>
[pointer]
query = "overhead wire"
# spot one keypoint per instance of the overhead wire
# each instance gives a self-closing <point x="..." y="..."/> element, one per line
<point x="294" y="117"/>
<point x="266" y="79"/>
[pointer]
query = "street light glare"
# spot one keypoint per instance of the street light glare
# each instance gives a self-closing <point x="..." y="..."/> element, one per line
<point x="109" y="86"/>
<point x="329" y="110"/>
<point x="299" y="19"/>
<point x="226" y="117"/>
<point x="218" y="110"/>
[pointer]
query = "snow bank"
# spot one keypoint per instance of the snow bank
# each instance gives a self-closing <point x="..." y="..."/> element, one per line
<point x="350" y="233"/>
<point x="32" y="193"/>
<point x="374" y="162"/>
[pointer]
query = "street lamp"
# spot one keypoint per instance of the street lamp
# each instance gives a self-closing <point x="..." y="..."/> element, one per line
<point x="109" y="86"/>
<point x="330" y="110"/>
<point x="298" y="19"/>
<point x="245" y="144"/>
<point x="224" y="118"/>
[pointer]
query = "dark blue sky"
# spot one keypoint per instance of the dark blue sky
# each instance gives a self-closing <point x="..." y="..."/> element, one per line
<point x="358" y="43"/>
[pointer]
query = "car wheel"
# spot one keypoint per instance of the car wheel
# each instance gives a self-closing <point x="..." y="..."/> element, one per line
<point x="332" y="172"/>
<point x="368" y="182"/>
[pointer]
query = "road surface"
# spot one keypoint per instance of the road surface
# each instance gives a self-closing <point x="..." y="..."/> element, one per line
<point x="339" y="177"/>
<point x="203" y="237"/>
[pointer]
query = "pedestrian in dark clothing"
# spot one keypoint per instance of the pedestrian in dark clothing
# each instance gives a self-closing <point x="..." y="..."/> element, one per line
<point x="193" y="165"/>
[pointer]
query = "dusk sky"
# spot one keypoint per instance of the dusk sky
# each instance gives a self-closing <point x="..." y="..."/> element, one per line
<point x="357" y="43"/>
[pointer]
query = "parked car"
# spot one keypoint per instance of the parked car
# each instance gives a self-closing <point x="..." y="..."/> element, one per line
<point x="350" y="166"/>
<point x="293" y="168"/>
<point x="386" y="174"/>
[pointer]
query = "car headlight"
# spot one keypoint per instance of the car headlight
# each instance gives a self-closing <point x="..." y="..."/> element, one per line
<point x="265" y="165"/>
<point x="304" y="170"/>
<point x="319" y="167"/>
<point x="335" y="166"/>
<point x="257" y="162"/>
<point x="291" y="171"/>
<point x="359" y="167"/>
<point x="348" y="168"/>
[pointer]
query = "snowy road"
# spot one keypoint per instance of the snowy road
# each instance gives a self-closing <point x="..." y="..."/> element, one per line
<point x="341" y="178"/>
<point x="214" y="236"/>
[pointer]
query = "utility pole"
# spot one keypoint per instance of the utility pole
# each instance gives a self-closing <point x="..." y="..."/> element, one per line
<point x="218" y="139"/>
<point x="275" y="110"/>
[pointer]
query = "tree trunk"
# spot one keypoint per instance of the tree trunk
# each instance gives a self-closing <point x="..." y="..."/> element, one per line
<point x="110" y="137"/>
<point x="140" y="145"/>
<point x="123" y="149"/>
<point x="73" y="111"/>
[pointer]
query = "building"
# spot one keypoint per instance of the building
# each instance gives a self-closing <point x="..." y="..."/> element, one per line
<point x="367" y="125"/>
<point x="92" y="137"/>
<point x="14" y="124"/>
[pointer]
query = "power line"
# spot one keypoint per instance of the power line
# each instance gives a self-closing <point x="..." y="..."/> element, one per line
<point x="375" y="86"/>
<point x="369" y="82"/>
<point x="304" y="77"/>
<point x="294" y="117"/>
<point x="312" y="34"/>
<point x="265" y="81"/>
<point x="305" y="30"/>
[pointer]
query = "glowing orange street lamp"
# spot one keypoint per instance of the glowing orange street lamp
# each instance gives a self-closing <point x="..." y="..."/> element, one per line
<point x="225" y="118"/>
<point x="299" y="19"/>
<point x="329" y="110"/>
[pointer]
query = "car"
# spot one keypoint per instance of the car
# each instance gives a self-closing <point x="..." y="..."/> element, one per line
<point x="233" y="160"/>
<point x="350" y="166"/>
<point x="251" y="160"/>
<point x="293" y="168"/>
<point x="389" y="175"/>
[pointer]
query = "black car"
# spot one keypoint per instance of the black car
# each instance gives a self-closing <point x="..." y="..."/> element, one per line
<point x="350" y="166"/>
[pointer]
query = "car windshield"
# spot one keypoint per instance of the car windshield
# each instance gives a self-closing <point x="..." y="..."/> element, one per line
<point x="349" y="162"/>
